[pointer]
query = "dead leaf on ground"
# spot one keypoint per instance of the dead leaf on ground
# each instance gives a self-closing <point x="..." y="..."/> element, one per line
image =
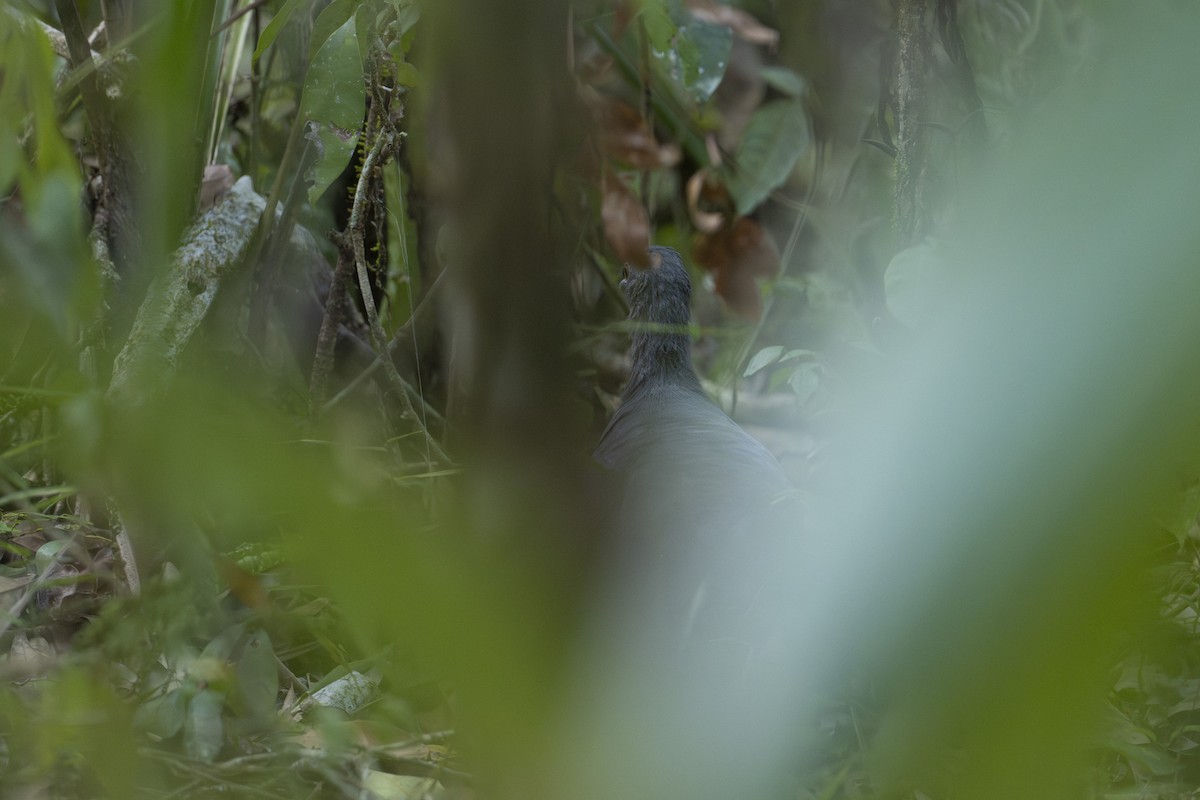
<point x="740" y="256"/>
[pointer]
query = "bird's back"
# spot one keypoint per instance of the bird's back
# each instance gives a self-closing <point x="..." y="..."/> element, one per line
<point x="701" y="501"/>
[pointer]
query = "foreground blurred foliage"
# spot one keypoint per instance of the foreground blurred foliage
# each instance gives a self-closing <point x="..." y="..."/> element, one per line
<point x="284" y="514"/>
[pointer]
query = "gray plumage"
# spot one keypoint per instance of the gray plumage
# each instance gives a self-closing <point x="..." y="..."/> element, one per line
<point x="700" y="498"/>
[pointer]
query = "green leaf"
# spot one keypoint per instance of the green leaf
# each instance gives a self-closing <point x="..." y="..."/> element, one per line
<point x="257" y="675"/>
<point x="699" y="58"/>
<point x="805" y="381"/>
<point x="775" y="137"/>
<point x="407" y="14"/>
<point x="161" y="716"/>
<point x="204" y="732"/>
<point x="333" y="17"/>
<point x="48" y="554"/>
<point x="694" y="54"/>
<point x="333" y="104"/>
<point x="911" y="279"/>
<point x="221" y="646"/>
<point x="783" y="80"/>
<point x="274" y="27"/>
<point x="407" y="75"/>
<point x="763" y="358"/>
<point x="660" y="28"/>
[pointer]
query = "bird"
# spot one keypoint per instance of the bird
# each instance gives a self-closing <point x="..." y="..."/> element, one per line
<point x="701" y="503"/>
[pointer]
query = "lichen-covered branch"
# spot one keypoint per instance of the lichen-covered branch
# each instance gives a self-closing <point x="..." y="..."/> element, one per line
<point x="384" y="141"/>
<point x="912" y="135"/>
<point x="179" y="298"/>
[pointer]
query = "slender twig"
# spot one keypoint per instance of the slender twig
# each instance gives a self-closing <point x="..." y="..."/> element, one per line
<point x="401" y="332"/>
<point x="235" y="16"/>
<point x="327" y="338"/>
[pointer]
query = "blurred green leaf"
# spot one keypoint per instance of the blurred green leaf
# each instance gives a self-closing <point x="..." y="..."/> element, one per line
<point x="204" y="732"/>
<point x="691" y="53"/>
<point x="275" y="27"/>
<point x="698" y="58"/>
<point x="784" y="80"/>
<point x="162" y="715"/>
<point x="913" y="281"/>
<point x="805" y="381"/>
<point x="763" y="358"/>
<point x="258" y="675"/>
<point x="776" y="136"/>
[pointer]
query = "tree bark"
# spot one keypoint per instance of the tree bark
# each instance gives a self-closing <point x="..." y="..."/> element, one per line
<point x="913" y="31"/>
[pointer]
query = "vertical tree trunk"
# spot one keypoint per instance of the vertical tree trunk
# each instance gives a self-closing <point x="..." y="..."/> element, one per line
<point x="503" y="109"/>
<point x="913" y="29"/>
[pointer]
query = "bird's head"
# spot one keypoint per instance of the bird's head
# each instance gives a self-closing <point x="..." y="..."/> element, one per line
<point x="661" y="292"/>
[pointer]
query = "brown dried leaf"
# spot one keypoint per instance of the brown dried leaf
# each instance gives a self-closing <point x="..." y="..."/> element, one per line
<point x="740" y="22"/>
<point x="625" y="224"/>
<point x="704" y="195"/>
<point x="740" y="255"/>
<point x="218" y="179"/>
<point x="625" y="137"/>
<point x="244" y="585"/>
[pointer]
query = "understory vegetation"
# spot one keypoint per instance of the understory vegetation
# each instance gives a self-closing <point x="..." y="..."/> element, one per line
<point x="310" y="317"/>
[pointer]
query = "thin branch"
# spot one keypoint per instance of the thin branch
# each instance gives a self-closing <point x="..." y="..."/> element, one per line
<point x="327" y="338"/>
<point x="401" y="332"/>
<point x="354" y="231"/>
<point x="235" y="16"/>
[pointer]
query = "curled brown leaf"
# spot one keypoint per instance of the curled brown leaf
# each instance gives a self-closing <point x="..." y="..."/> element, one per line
<point x="703" y="196"/>
<point x="626" y="137"/>
<point x="739" y="256"/>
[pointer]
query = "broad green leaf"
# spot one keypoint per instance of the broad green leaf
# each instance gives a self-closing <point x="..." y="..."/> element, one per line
<point x="776" y="136"/>
<point x="333" y="17"/>
<point x="783" y="80"/>
<point x="693" y="53"/>
<point x="407" y="14"/>
<point x="805" y="381"/>
<point x="161" y="716"/>
<point x="763" y="358"/>
<point x="49" y="554"/>
<point x="257" y="675"/>
<point x="407" y="75"/>
<point x="333" y="103"/>
<point x="220" y="648"/>
<point x="703" y="52"/>
<point x="911" y="280"/>
<point x="660" y="28"/>
<point x="274" y="27"/>
<point x="204" y="732"/>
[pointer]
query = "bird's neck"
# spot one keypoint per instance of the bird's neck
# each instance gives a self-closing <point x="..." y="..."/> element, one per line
<point x="661" y="358"/>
